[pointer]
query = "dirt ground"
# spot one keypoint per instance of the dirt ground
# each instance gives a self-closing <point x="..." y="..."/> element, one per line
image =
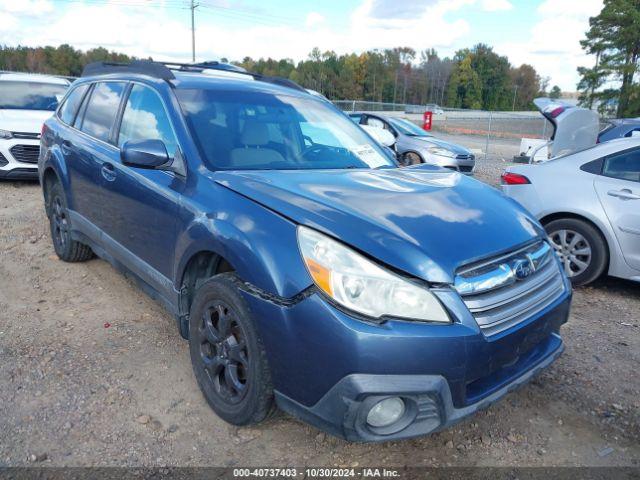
<point x="94" y="373"/>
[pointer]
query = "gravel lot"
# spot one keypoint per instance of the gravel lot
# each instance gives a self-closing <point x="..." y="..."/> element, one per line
<point x="93" y="372"/>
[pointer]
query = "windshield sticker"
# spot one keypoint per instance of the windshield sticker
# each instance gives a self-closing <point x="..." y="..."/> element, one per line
<point x="368" y="155"/>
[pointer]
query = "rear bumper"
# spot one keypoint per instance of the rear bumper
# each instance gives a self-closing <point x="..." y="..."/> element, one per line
<point x="430" y="408"/>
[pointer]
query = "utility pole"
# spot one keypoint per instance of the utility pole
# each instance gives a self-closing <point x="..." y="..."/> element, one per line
<point x="515" y="92"/>
<point x="194" y="5"/>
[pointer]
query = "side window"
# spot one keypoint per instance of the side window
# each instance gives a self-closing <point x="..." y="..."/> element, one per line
<point x="356" y="118"/>
<point x="390" y="129"/>
<point x="624" y="165"/>
<point x="102" y="109"/>
<point x="375" y="122"/>
<point x="145" y="118"/>
<point x="70" y="106"/>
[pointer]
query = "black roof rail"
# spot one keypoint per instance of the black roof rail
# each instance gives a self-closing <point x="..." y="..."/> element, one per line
<point x="144" y="67"/>
<point x="163" y="70"/>
<point x="208" y="65"/>
<point x="215" y="65"/>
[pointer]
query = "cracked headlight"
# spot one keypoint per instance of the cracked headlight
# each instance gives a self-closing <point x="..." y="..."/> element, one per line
<point x="361" y="285"/>
<point x="443" y="152"/>
<point x="5" y="135"/>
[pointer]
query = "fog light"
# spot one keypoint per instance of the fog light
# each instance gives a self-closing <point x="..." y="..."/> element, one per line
<point x="386" y="412"/>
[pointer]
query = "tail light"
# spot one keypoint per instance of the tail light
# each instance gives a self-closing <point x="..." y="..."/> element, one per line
<point x="510" y="178"/>
<point x="556" y="111"/>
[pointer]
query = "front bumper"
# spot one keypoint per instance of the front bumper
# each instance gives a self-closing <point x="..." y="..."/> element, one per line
<point x="10" y="166"/>
<point x="430" y="408"/>
<point x="465" y="166"/>
<point x="327" y="366"/>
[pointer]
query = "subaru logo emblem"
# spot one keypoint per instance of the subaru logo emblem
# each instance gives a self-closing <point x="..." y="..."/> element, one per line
<point x="522" y="268"/>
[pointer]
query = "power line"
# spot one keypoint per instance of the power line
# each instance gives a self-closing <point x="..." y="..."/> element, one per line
<point x="246" y="17"/>
<point x="173" y="4"/>
<point x="249" y="13"/>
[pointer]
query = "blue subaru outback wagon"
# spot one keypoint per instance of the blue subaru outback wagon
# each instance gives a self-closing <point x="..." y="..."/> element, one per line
<point x="305" y="268"/>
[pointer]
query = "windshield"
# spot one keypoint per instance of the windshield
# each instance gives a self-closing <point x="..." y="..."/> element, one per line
<point x="262" y="131"/>
<point x="30" y="95"/>
<point x="407" y="128"/>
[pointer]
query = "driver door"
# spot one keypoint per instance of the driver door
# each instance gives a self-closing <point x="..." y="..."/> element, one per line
<point x="143" y="203"/>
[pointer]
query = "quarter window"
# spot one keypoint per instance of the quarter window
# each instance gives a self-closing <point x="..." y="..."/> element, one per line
<point x="102" y="109"/>
<point x="146" y="119"/>
<point x="624" y="165"/>
<point x="70" y="106"/>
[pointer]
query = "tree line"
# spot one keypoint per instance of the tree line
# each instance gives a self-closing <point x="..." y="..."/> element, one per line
<point x="613" y="39"/>
<point x="476" y="78"/>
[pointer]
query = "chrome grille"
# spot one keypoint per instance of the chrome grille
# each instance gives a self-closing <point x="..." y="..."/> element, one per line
<point x="463" y="156"/>
<point x="500" y="295"/>
<point x="25" y="153"/>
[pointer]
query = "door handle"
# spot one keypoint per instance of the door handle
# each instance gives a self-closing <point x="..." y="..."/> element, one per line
<point x="66" y="147"/>
<point x="624" y="194"/>
<point x="108" y="172"/>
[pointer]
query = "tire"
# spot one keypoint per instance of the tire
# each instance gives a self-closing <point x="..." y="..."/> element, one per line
<point x="411" y="158"/>
<point x="227" y="355"/>
<point x="579" y="243"/>
<point x="66" y="248"/>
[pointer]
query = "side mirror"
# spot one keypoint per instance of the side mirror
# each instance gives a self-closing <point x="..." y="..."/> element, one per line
<point x="145" y="154"/>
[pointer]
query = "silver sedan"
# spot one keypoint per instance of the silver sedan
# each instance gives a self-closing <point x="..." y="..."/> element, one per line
<point x="414" y="145"/>
<point x="589" y="203"/>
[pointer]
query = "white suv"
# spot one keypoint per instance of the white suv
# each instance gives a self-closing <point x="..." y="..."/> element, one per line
<point x="26" y="101"/>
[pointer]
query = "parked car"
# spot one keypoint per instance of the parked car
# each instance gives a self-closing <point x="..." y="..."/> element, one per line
<point x="589" y="203"/>
<point x="305" y="268"/>
<point x="430" y="107"/>
<point x="434" y="108"/>
<point x="415" y="146"/>
<point x="619" y="128"/>
<point x="26" y="101"/>
<point x="573" y="128"/>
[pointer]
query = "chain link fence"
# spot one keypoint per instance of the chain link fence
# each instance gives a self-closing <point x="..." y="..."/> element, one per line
<point x="514" y="125"/>
<point x="495" y="137"/>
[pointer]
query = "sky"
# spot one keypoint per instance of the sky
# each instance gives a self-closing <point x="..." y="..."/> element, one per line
<point x="543" y="33"/>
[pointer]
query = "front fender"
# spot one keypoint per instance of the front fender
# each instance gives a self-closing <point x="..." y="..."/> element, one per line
<point x="260" y="244"/>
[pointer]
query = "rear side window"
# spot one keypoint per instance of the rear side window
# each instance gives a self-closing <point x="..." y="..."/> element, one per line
<point x="145" y="118"/>
<point x="72" y="103"/>
<point x="102" y="109"/>
<point x="624" y="165"/>
<point x="594" y="167"/>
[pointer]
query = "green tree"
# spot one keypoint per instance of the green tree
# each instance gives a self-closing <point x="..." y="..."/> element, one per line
<point x="614" y="38"/>
<point x="526" y="86"/>
<point x="493" y="72"/>
<point x="555" y="92"/>
<point x="465" y="87"/>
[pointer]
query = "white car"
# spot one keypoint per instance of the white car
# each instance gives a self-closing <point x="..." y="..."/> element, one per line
<point x="26" y="101"/>
<point x="589" y="203"/>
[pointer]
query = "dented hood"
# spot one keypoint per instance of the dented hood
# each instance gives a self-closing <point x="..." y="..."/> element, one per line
<point x="423" y="221"/>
